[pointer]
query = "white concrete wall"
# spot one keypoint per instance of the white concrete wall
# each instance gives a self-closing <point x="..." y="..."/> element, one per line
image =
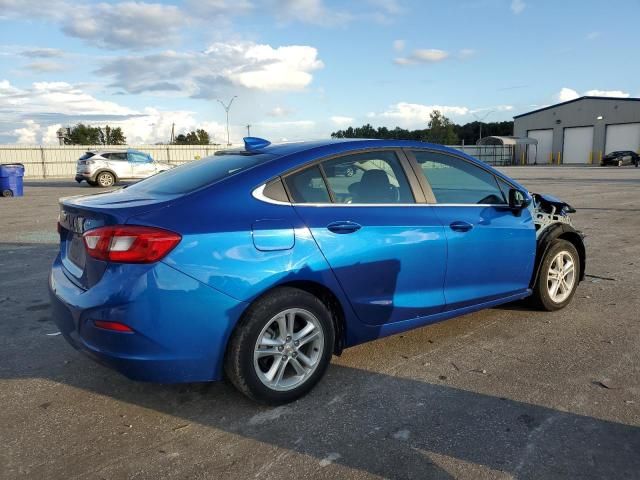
<point x="60" y="161"/>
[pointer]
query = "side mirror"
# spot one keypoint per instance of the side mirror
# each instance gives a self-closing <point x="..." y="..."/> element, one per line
<point x="518" y="199"/>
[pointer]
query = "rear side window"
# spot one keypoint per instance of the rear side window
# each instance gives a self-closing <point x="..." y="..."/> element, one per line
<point x="116" y="156"/>
<point x="457" y="181"/>
<point x="371" y="177"/>
<point x="86" y="156"/>
<point x="199" y="173"/>
<point x="307" y="186"/>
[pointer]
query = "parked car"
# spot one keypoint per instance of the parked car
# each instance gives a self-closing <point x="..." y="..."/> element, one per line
<point x="106" y="167"/>
<point x="260" y="265"/>
<point x="620" y="158"/>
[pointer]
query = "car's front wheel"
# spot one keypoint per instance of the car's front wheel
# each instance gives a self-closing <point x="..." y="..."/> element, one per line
<point x="559" y="276"/>
<point x="282" y="346"/>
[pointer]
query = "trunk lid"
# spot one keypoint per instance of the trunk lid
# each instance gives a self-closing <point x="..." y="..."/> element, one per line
<point x="82" y="213"/>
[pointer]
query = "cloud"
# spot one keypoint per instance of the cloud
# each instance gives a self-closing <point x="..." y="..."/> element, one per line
<point x="278" y="111"/>
<point x="32" y="115"/>
<point x="128" y="24"/>
<point x="398" y="45"/>
<point x="310" y="11"/>
<point x="414" y="115"/>
<point x="125" y="25"/>
<point x="342" y="121"/>
<point x="44" y="67"/>
<point x="202" y="74"/>
<point x="566" y="94"/>
<point x="518" y="6"/>
<point x="607" y="93"/>
<point x="42" y="53"/>
<point x="432" y="55"/>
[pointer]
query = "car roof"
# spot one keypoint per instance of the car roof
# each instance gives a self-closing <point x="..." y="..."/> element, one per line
<point x="287" y="156"/>
<point x="345" y="145"/>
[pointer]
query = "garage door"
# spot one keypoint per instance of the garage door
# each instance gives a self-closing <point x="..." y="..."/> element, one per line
<point x="623" y="137"/>
<point x="545" y="146"/>
<point x="578" y="143"/>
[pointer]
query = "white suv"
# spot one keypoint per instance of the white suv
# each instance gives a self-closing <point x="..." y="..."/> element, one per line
<point x="106" y="167"/>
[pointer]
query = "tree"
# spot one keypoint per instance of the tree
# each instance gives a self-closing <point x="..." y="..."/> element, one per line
<point x="112" y="136"/>
<point x="198" y="137"/>
<point x="82" y="134"/>
<point x="441" y="130"/>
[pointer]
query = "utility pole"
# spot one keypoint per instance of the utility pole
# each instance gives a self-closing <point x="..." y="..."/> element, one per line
<point x="173" y="133"/>
<point x="482" y="119"/>
<point x="227" y="107"/>
<point x="248" y="130"/>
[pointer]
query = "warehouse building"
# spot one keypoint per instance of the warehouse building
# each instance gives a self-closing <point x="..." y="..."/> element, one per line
<point x="580" y="131"/>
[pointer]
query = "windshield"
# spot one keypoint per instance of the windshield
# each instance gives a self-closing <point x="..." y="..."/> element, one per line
<point x="199" y="173"/>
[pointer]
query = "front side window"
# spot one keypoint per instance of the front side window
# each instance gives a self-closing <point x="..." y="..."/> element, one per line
<point x="371" y="177"/>
<point x="457" y="181"/>
<point x="138" y="157"/>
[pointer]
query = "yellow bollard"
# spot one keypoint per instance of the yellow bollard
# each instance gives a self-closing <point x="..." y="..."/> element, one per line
<point x="558" y="158"/>
<point x="600" y="157"/>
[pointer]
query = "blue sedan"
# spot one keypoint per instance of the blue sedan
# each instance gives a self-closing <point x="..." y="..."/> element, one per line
<point x="264" y="262"/>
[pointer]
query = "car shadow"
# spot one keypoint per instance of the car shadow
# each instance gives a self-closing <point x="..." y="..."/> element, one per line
<point x="386" y="425"/>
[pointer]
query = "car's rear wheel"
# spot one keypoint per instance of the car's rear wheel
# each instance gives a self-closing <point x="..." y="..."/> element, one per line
<point x="559" y="276"/>
<point x="282" y="346"/>
<point x="619" y="163"/>
<point x="7" y="193"/>
<point x="105" y="179"/>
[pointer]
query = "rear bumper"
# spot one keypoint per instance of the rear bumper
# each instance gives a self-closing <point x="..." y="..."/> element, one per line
<point x="180" y="326"/>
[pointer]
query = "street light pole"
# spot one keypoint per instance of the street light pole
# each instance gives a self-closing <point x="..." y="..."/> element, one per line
<point x="227" y="107"/>
<point x="248" y="130"/>
<point x="482" y="119"/>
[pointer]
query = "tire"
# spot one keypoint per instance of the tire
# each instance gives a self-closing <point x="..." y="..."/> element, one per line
<point x="560" y="251"/>
<point x="92" y="183"/>
<point x="7" y="193"/>
<point x="249" y="362"/>
<point x="619" y="163"/>
<point x="105" y="179"/>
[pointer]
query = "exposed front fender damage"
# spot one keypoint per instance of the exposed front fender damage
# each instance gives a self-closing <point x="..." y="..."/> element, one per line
<point x="552" y="221"/>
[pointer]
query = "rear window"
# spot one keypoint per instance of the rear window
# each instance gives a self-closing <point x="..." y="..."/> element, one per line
<point x="199" y="173"/>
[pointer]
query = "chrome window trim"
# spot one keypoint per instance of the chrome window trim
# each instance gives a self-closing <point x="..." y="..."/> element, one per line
<point x="258" y="194"/>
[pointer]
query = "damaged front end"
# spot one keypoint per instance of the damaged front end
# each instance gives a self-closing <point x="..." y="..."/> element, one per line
<point x="548" y="211"/>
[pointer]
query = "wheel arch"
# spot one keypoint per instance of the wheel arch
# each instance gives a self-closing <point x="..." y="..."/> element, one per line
<point x="326" y="296"/>
<point x="94" y="178"/>
<point x="564" y="232"/>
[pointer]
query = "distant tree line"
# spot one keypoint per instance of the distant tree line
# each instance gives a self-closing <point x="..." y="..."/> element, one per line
<point x="439" y="130"/>
<point x="197" y="137"/>
<point x="82" y="134"/>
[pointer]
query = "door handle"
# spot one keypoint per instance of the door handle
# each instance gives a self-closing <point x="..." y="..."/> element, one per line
<point x="343" y="227"/>
<point x="460" y="226"/>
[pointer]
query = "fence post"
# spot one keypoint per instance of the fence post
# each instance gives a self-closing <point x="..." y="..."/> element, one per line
<point x="44" y="167"/>
<point x="168" y="155"/>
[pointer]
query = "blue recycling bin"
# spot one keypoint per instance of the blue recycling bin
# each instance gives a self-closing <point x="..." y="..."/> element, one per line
<point x="11" y="179"/>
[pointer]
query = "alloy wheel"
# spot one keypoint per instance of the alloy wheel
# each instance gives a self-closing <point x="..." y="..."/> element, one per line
<point x="561" y="277"/>
<point x="289" y="349"/>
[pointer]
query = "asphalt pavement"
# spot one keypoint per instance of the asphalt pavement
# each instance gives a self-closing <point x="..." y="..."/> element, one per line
<point x="503" y="393"/>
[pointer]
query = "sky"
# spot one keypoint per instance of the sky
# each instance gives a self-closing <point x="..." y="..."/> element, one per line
<point x="301" y="69"/>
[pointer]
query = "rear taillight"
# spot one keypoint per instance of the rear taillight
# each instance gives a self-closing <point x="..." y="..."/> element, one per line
<point x="130" y="243"/>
